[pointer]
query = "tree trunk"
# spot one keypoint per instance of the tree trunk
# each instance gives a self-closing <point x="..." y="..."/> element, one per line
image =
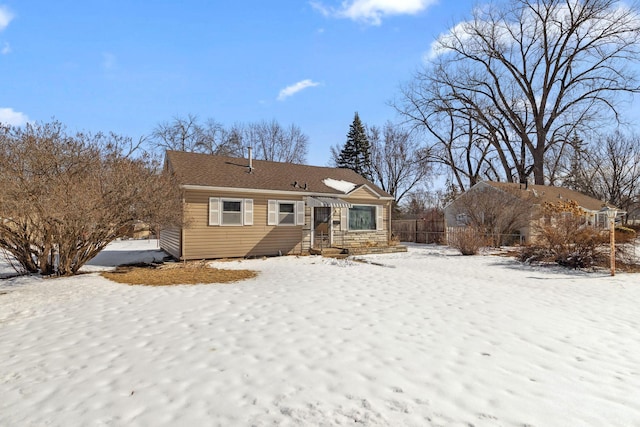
<point x="538" y="165"/>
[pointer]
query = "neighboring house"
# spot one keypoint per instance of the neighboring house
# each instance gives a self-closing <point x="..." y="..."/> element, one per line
<point x="238" y="207"/>
<point x="524" y="200"/>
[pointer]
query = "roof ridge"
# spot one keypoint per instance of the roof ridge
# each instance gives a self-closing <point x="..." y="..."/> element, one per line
<point x="211" y="170"/>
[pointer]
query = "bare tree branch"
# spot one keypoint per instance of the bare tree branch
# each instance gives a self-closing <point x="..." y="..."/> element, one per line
<point x="528" y="74"/>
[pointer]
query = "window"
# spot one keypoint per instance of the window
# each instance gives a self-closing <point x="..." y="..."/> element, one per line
<point x="362" y="218"/>
<point x="286" y="214"/>
<point x="230" y="211"/>
<point x="462" y="219"/>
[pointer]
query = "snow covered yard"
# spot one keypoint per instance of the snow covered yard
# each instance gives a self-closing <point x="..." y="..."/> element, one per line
<point x="420" y="338"/>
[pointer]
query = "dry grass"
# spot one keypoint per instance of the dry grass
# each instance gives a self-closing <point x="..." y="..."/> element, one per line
<point x="176" y="274"/>
<point x="627" y="267"/>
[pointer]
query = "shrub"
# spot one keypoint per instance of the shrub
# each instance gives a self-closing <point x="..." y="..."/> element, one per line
<point x="584" y="250"/>
<point x="468" y="240"/>
<point x="65" y="196"/>
<point x="564" y="238"/>
<point x="624" y="234"/>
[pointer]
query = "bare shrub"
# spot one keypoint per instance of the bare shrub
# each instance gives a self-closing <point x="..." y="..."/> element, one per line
<point x="468" y="240"/>
<point x="496" y="213"/>
<point x="66" y="196"/>
<point x="625" y="234"/>
<point x="564" y="237"/>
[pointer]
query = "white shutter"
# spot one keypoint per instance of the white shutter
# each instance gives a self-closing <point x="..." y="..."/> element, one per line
<point x="379" y="218"/>
<point x="344" y="219"/>
<point x="272" y="213"/>
<point x="300" y="213"/>
<point x="214" y="211"/>
<point x="248" y="211"/>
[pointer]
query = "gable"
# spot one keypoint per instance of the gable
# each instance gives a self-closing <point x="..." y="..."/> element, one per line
<point x="363" y="192"/>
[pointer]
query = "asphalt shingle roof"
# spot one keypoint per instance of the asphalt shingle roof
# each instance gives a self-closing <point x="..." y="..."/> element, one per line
<point x="231" y="172"/>
<point x="545" y="193"/>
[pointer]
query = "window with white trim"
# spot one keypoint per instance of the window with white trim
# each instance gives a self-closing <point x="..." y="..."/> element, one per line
<point x="285" y="212"/>
<point x="230" y="212"/>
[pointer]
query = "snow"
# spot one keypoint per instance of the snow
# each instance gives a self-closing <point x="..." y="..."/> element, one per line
<point x="340" y="185"/>
<point x="439" y="339"/>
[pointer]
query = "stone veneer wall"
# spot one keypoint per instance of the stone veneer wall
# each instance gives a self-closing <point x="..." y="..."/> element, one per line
<point x="360" y="239"/>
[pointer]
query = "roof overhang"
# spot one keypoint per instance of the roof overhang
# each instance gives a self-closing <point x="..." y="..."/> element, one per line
<point x="321" y="202"/>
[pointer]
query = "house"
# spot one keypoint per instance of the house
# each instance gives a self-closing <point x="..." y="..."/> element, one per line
<point x="515" y="208"/>
<point x="237" y="207"/>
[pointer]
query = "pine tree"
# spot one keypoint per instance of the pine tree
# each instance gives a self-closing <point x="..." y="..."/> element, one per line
<point x="575" y="179"/>
<point x="356" y="153"/>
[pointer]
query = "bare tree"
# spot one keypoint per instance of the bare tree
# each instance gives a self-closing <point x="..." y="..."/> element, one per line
<point x="189" y="134"/>
<point x="609" y="170"/>
<point x="495" y="212"/>
<point x="269" y="140"/>
<point x="180" y="134"/>
<point x="542" y="69"/>
<point x="66" y="196"/>
<point x="398" y="161"/>
<point x="419" y="200"/>
<point x="213" y="138"/>
<point x="272" y="142"/>
<point x="471" y="146"/>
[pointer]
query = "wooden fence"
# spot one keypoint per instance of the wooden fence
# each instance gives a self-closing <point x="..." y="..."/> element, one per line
<point x="419" y="230"/>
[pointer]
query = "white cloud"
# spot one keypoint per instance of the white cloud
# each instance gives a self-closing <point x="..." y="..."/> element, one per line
<point x="325" y="11"/>
<point x="295" y="88"/>
<point x="6" y="48"/>
<point x="445" y="39"/>
<point x="5" y="17"/>
<point x="372" y="11"/>
<point x="13" y="118"/>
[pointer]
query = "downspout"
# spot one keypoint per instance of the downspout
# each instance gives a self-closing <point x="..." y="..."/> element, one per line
<point x="182" y="233"/>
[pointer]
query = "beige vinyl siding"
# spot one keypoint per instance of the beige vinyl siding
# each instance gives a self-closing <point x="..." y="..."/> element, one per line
<point x="202" y="241"/>
<point x="363" y="193"/>
<point x="170" y="241"/>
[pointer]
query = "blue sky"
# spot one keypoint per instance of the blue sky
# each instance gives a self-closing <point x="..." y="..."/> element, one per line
<point x="125" y="66"/>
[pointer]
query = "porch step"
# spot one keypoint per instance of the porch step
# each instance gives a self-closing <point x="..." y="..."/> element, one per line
<point x="330" y="252"/>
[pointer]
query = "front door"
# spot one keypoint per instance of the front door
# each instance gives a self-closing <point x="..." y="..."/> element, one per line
<point x="321" y="227"/>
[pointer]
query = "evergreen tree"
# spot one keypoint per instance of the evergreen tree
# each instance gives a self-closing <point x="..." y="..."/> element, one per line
<point x="356" y="153"/>
<point x="576" y="178"/>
